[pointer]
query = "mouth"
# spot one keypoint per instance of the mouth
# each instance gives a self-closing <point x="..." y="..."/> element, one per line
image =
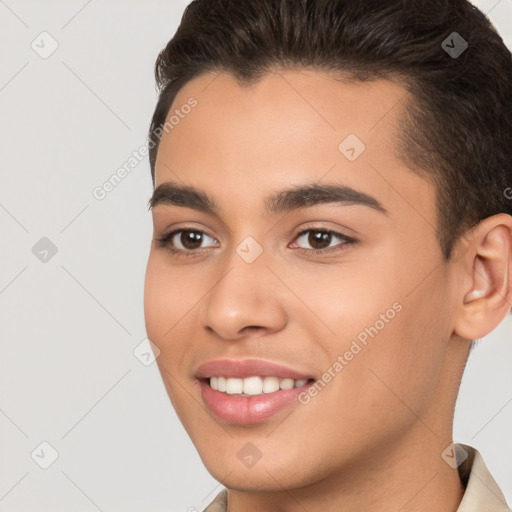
<point x="248" y="392"/>
<point x="238" y="407"/>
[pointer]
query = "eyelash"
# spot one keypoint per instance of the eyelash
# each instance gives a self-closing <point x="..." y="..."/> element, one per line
<point x="163" y="241"/>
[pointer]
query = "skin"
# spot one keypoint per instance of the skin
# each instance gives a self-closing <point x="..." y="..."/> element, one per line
<point x="373" y="436"/>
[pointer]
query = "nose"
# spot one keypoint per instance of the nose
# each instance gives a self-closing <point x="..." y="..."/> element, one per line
<point x="247" y="298"/>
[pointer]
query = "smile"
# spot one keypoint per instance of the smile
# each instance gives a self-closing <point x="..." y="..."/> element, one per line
<point x="253" y="385"/>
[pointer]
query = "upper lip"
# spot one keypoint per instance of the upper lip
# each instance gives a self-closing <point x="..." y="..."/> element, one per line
<point x="247" y="368"/>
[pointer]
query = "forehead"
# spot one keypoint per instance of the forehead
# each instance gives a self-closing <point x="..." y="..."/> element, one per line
<point x="289" y="127"/>
<point x="280" y="108"/>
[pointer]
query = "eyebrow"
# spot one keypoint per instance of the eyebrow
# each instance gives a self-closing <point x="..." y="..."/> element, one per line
<point x="294" y="198"/>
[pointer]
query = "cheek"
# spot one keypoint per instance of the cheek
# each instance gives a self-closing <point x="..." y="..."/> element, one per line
<point x="171" y="299"/>
<point x="404" y="362"/>
<point x="392" y="340"/>
<point x="154" y="299"/>
<point x="163" y="309"/>
<point x="166" y="298"/>
<point x="349" y="303"/>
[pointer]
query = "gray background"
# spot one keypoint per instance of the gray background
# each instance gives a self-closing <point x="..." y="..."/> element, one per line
<point x="70" y="324"/>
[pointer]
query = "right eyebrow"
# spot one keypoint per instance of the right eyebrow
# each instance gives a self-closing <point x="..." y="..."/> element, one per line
<point x="172" y="193"/>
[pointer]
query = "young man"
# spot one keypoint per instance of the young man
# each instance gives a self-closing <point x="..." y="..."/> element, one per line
<point x="332" y="229"/>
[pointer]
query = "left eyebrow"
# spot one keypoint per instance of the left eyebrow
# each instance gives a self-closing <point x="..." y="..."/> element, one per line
<point x="294" y="198"/>
<point x="305" y="196"/>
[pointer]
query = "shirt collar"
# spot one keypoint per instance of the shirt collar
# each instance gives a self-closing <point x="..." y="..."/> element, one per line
<point x="482" y="491"/>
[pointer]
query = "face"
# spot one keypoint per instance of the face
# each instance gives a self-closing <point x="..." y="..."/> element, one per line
<point x="323" y="318"/>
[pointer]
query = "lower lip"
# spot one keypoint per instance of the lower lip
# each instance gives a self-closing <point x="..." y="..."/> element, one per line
<point x="248" y="410"/>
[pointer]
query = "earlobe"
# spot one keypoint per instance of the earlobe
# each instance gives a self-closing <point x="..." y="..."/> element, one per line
<point x="489" y="298"/>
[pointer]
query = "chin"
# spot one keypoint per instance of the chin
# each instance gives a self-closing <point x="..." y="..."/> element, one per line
<point x="262" y="479"/>
<point x="274" y="470"/>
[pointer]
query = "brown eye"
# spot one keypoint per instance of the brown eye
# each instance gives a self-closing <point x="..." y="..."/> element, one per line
<point x="321" y="239"/>
<point x="189" y="239"/>
<point x="183" y="241"/>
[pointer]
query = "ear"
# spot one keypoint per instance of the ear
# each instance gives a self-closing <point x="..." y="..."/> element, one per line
<point x="486" y="283"/>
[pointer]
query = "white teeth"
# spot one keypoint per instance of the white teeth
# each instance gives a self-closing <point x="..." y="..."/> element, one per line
<point x="221" y="383"/>
<point x="253" y="385"/>
<point x="270" y="384"/>
<point x="286" y="384"/>
<point x="234" y="386"/>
